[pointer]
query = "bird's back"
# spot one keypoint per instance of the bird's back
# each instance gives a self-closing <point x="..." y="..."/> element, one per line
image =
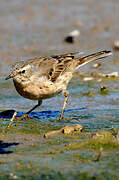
<point x="59" y="68"/>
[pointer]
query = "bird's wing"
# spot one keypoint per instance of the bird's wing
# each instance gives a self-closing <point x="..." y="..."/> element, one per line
<point x="71" y="55"/>
<point x="52" y="67"/>
<point x="70" y="62"/>
<point x="43" y="66"/>
<point x="63" y="64"/>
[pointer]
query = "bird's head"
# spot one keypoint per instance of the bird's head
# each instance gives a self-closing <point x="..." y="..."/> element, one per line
<point x="20" y="72"/>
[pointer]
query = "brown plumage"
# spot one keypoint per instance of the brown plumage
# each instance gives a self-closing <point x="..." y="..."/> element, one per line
<point x="44" y="77"/>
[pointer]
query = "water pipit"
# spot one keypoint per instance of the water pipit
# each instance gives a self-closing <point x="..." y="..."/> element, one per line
<point x="44" y="77"/>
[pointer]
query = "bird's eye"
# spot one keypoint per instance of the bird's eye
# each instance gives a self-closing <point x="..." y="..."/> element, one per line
<point x="23" y="71"/>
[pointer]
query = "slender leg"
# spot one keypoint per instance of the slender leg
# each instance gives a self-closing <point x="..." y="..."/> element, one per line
<point x="12" y="119"/>
<point x="39" y="103"/>
<point x="26" y="114"/>
<point x="66" y="94"/>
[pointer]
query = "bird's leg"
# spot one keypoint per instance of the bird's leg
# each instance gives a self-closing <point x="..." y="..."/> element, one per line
<point x="39" y="103"/>
<point x="26" y="114"/>
<point x="66" y="94"/>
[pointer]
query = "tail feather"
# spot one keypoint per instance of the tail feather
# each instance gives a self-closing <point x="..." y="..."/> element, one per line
<point x="99" y="55"/>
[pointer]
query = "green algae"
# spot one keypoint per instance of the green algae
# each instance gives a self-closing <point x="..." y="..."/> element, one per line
<point x="62" y="156"/>
<point x="103" y="140"/>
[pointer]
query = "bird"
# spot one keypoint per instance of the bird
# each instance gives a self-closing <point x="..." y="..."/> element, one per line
<point x="47" y="76"/>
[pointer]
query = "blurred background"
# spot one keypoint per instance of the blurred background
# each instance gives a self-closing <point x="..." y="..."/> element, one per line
<point x="33" y="28"/>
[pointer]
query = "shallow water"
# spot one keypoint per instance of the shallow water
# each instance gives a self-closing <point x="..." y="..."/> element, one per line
<point x="34" y="28"/>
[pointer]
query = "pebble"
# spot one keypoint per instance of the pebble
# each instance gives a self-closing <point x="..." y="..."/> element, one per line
<point x="104" y="90"/>
<point x="113" y="74"/>
<point x="88" y="78"/>
<point x="71" y="37"/>
<point x="96" y="65"/>
<point x="116" y="45"/>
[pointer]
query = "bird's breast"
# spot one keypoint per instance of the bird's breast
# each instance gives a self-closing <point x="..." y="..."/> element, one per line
<point x="38" y="91"/>
<point x="27" y="91"/>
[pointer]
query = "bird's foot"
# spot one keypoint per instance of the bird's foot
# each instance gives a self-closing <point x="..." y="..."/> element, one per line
<point x="69" y="120"/>
<point x="25" y="116"/>
<point x="61" y="118"/>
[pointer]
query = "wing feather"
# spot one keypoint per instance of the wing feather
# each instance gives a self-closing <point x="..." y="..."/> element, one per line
<point x="52" y="67"/>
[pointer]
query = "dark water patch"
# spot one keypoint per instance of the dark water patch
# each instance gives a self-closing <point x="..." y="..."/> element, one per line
<point x="39" y="115"/>
<point x="7" y="114"/>
<point x="4" y="145"/>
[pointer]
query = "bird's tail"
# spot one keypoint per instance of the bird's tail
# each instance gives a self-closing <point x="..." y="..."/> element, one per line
<point x="99" y="55"/>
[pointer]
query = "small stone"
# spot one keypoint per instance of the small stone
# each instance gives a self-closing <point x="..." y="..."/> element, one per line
<point x="69" y="129"/>
<point x="74" y="33"/>
<point x="116" y="45"/>
<point x="113" y="74"/>
<point x="88" y="78"/>
<point x="96" y="65"/>
<point x="71" y="37"/>
<point x="103" y="90"/>
<point x="14" y="176"/>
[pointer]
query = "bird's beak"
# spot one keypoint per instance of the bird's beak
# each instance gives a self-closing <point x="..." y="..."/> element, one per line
<point x="9" y="77"/>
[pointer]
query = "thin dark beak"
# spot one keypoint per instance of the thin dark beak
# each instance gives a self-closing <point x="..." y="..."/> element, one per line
<point x="9" y="77"/>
